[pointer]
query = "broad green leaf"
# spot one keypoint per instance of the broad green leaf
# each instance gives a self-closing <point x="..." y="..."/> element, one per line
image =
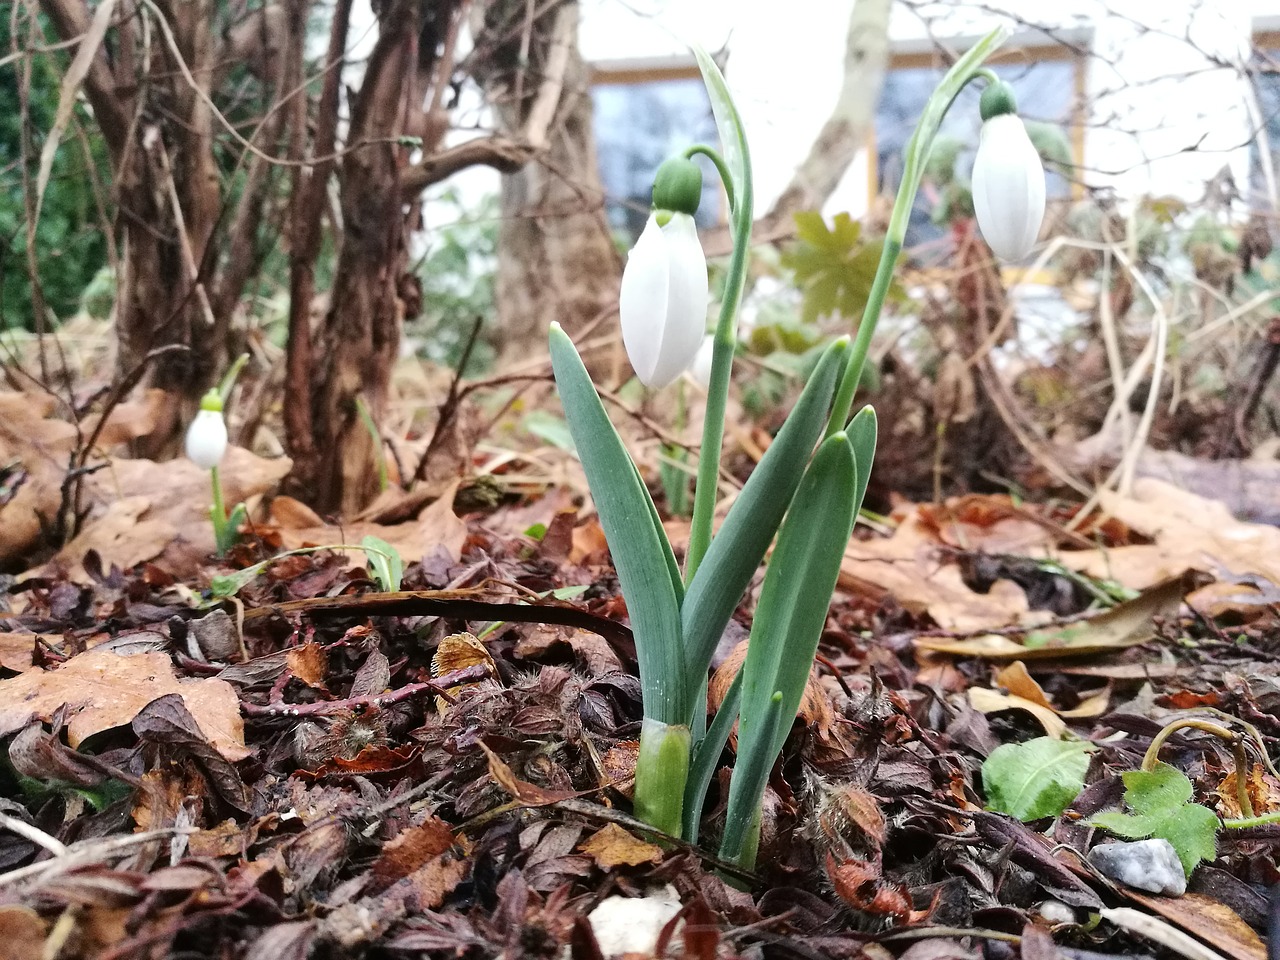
<point x="641" y="554"/>
<point x="1160" y="799"/>
<point x="1156" y="791"/>
<point x="385" y="562"/>
<point x="747" y="531"/>
<point x="1035" y="779"/>
<point x="788" y="623"/>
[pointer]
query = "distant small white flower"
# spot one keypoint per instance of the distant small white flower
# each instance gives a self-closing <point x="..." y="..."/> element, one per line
<point x="700" y="370"/>
<point x="663" y="301"/>
<point x="1008" y="187"/>
<point x="207" y="439"/>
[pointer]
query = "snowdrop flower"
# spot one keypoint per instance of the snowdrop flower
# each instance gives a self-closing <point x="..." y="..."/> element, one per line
<point x="663" y="301"/>
<point x="207" y="435"/>
<point x="1008" y="178"/>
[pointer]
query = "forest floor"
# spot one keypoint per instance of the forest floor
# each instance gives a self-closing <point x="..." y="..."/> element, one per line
<point x="231" y="759"/>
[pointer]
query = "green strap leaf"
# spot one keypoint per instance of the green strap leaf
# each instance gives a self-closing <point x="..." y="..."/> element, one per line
<point x="641" y="553"/>
<point x="706" y="753"/>
<point x="733" y="138"/>
<point x="745" y="535"/>
<point x="862" y="432"/>
<point x="790" y="617"/>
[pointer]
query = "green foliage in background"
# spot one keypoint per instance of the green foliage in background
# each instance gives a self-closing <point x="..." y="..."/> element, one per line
<point x="70" y="246"/>
<point x="457" y="274"/>
<point x="833" y="266"/>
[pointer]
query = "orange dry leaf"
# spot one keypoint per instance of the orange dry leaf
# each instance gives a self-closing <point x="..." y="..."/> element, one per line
<point x="815" y="708"/>
<point x="456" y="652"/>
<point x="437" y="526"/>
<point x="410" y="850"/>
<point x="615" y="847"/>
<point x="22" y="931"/>
<point x="105" y="690"/>
<point x="309" y="663"/>
<point x="1263" y="790"/>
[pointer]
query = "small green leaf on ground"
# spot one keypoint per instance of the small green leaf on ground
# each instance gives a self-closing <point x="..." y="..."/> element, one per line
<point x="1035" y="779"/>
<point x="1160" y="801"/>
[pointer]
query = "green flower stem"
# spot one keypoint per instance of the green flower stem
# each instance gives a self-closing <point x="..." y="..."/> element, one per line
<point x="704" y="498"/>
<point x="1261" y="820"/>
<point x="661" y="771"/>
<point x="218" y="512"/>
<point x="229" y="379"/>
<point x="967" y="68"/>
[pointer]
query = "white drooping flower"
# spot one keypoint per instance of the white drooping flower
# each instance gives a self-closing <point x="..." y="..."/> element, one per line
<point x="207" y="435"/>
<point x="663" y="301"/>
<point x="1008" y="187"/>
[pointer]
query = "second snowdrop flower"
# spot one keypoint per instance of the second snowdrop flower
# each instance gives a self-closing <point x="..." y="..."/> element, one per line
<point x="207" y="435"/>
<point x="663" y="301"/>
<point x="1008" y="177"/>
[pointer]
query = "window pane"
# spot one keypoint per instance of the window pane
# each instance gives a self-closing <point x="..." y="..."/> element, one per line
<point x="1266" y="86"/>
<point x="1045" y="91"/>
<point x="638" y="125"/>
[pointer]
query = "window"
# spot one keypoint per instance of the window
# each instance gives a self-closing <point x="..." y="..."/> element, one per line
<point x="1049" y="84"/>
<point x="1264" y="146"/>
<point x="645" y="113"/>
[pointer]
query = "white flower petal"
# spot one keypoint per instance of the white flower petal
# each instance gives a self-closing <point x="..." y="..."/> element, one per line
<point x="206" y="439"/>
<point x="686" y="321"/>
<point x="642" y="300"/>
<point x="1008" y="187"/>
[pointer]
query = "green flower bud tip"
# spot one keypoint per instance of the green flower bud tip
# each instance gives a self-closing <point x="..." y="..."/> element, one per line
<point x="211" y="401"/>
<point x="677" y="186"/>
<point x="996" y="100"/>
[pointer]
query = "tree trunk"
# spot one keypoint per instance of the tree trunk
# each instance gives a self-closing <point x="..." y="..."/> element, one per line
<point x="556" y="257"/>
<point x="159" y="131"/>
<point x="850" y="125"/>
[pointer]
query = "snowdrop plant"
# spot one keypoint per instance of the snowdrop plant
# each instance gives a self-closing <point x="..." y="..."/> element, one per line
<point x="802" y="497"/>
<point x="206" y="445"/>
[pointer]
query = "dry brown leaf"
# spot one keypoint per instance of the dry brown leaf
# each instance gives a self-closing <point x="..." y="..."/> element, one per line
<point x="309" y="663"/>
<point x="436" y="879"/>
<point x="1211" y="920"/>
<point x="22" y="933"/>
<point x="107" y="690"/>
<point x="129" y="420"/>
<point x="613" y="847"/>
<point x="1263" y="790"/>
<point x="456" y="652"/>
<point x="1019" y="682"/>
<point x="619" y="763"/>
<point x="1126" y="625"/>
<point x="435" y="527"/>
<point x="411" y="850"/>
<point x="907" y="566"/>
<point x="1190" y="533"/>
<point x="991" y="701"/>
<point x="528" y="794"/>
<point x="159" y="512"/>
